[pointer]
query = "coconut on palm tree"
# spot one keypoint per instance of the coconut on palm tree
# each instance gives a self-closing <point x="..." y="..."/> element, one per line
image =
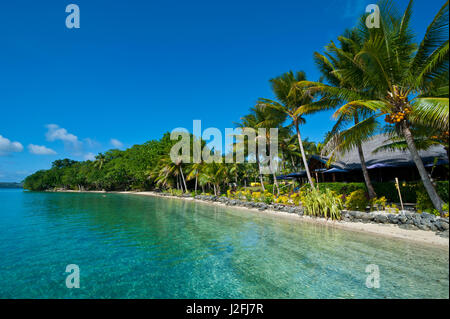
<point x="407" y="82"/>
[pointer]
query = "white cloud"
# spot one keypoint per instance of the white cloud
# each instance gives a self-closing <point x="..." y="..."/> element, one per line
<point x="6" y="146"/>
<point x="89" y="157"/>
<point x="40" y="150"/>
<point x="58" y="133"/>
<point x="116" y="143"/>
<point x="71" y="141"/>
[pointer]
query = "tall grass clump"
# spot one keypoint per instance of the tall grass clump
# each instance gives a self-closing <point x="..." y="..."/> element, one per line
<point x="322" y="204"/>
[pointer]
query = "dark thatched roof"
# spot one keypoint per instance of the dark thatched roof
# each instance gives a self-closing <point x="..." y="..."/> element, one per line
<point x="384" y="158"/>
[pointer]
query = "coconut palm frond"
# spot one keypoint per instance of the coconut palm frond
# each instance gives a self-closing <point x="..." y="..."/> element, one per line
<point x="431" y="112"/>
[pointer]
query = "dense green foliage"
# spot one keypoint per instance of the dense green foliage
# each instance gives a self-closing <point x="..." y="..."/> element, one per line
<point x="423" y="200"/>
<point x="113" y="170"/>
<point x="409" y="190"/>
<point x="357" y="200"/>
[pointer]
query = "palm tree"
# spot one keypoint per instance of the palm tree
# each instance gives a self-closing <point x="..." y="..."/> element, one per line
<point x="100" y="160"/>
<point x="166" y="170"/>
<point x="293" y="102"/>
<point x="269" y="118"/>
<point x="290" y="151"/>
<point x="405" y="79"/>
<point x="194" y="172"/>
<point x="261" y="117"/>
<point x="312" y="148"/>
<point x="179" y="163"/>
<point x="247" y="172"/>
<point x="282" y="133"/>
<point x="214" y="174"/>
<point x="163" y="173"/>
<point x="336" y="64"/>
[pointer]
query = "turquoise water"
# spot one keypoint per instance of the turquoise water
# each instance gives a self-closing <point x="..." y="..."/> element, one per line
<point x="131" y="246"/>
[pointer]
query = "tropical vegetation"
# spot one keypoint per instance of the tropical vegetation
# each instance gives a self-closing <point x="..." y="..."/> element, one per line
<point x="375" y="79"/>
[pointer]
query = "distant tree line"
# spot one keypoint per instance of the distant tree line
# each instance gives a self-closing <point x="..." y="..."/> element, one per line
<point x="149" y="166"/>
<point x="112" y="170"/>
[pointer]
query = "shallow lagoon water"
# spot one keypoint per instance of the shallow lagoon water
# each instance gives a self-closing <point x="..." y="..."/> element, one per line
<point x="132" y="246"/>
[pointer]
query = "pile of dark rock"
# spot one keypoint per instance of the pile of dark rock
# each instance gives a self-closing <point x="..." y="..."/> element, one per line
<point x="404" y="219"/>
<point x="257" y="205"/>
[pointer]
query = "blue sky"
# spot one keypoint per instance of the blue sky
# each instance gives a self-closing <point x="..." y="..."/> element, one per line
<point x="136" y="69"/>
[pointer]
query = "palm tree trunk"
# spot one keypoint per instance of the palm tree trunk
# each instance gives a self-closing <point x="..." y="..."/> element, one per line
<point x="365" y="172"/>
<point x="260" y="175"/>
<point x="218" y="189"/>
<point x="293" y="163"/>
<point x="196" y="179"/>
<point x="303" y="155"/>
<point x="184" y="181"/>
<point x="435" y="199"/>
<point x="276" y="183"/>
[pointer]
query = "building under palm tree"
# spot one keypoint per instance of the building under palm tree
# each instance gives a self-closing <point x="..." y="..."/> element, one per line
<point x="384" y="165"/>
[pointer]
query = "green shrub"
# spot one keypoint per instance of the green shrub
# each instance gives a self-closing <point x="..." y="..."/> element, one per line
<point x="324" y="204"/>
<point x="251" y="188"/>
<point x="269" y="188"/>
<point x="386" y="189"/>
<point x="392" y="209"/>
<point x="174" y="192"/>
<point x="357" y="200"/>
<point x="378" y="203"/>
<point x="423" y="200"/>
<point x="136" y="187"/>
<point x="339" y="188"/>
<point x="445" y="208"/>
<point x="442" y="189"/>
<point x="267" y="198"/>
